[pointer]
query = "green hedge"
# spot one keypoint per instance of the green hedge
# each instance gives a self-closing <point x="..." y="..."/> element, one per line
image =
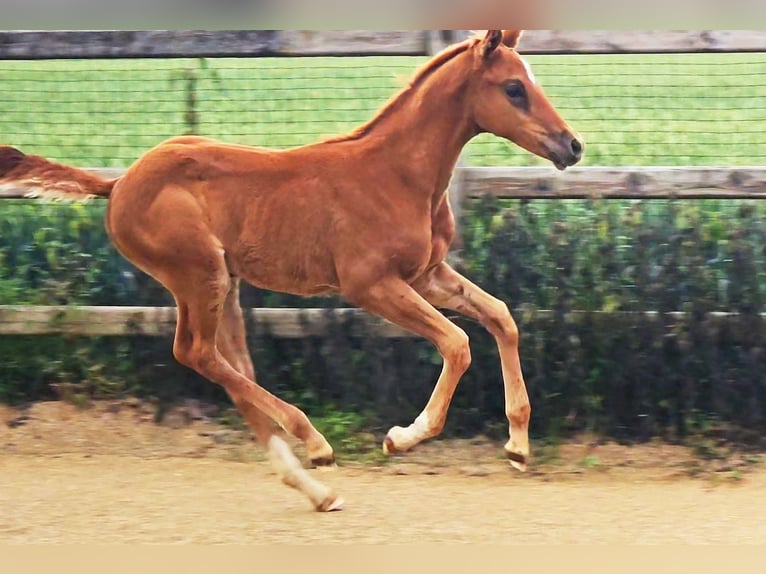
<point x="629" y="377"/>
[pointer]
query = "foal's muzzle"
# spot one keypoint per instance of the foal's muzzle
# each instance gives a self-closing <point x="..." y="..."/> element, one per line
<point x="564" y="150"/>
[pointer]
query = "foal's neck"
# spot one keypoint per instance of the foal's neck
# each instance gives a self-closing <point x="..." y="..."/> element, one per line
<point x="428" y="130"/>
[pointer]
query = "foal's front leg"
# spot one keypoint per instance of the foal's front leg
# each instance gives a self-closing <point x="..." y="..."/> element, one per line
<point x="395" y="300"/>
<point x="445" y="288"/>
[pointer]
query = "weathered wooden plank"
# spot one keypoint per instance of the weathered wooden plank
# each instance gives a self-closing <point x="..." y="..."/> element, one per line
<point x="253" y="43"/>
<point x="200" y="43"/>
<point x="584" y="182"/>
<point x="292" y="323"/>
<point x="641" y="41"/>
<point x="74" y="320"/>
<point x="160" y="321"/>
<point x="367" y="42"/>
<point x="618" y="183"/>
<point x="30" y="45"/>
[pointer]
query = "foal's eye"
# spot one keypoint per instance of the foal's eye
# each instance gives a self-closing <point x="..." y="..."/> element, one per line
<point x="516" y="91"/>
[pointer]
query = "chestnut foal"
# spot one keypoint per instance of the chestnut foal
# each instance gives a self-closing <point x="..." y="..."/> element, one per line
<point x="365" y="215"/>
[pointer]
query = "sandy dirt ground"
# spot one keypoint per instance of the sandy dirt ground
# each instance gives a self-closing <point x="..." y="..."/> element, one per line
<point x="108" y="474"/>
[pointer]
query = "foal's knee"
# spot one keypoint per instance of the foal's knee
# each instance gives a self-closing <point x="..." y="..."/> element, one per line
<point x="458" y="352"/>
<point x="500" y="323"/>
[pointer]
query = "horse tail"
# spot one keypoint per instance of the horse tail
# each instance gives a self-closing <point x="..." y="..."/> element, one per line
<point x="39" y="177"/>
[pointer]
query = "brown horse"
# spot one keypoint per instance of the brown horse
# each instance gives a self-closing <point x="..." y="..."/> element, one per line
<point x="365" y="215"/>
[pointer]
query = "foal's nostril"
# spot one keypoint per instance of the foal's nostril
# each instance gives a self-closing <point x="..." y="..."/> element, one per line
<point x="576" y="147"/>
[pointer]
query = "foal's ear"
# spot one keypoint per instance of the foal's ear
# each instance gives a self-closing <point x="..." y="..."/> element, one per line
<point x="491" y="42"/>
<point x="511" y="37"/>
<point x="494" y="38"/>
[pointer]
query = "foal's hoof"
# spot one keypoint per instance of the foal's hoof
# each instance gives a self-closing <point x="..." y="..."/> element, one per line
<point x="517" y="460"/>
<point x="332" y="503"/>
<point x="389" y="447"/>
<point x="396" y="436"/>
<point x="324" y="463"/>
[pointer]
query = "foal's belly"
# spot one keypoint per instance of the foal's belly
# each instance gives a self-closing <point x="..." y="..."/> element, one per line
<point x="284" y="269"/>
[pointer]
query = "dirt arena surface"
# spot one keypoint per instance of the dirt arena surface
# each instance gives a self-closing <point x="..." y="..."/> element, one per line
<point x="108" y="474"/>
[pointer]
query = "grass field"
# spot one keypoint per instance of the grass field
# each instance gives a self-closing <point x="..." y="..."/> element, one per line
<point x="706" y="109"/>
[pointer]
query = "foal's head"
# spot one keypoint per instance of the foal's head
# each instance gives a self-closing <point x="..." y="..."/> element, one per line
<point x="508" y="102"/>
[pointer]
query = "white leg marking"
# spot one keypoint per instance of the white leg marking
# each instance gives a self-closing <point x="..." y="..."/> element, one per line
<point x="405" y="438"/>
<point x="293" y="474"/>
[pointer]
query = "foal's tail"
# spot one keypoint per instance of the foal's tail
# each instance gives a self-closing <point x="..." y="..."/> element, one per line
<point x="38" y="177"/>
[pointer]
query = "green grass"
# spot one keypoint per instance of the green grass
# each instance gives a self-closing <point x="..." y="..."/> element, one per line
<point x="705" y="109"/>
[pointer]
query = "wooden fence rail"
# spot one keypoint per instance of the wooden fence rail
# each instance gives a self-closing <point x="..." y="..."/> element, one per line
<point x="92" y="321"/>
<point x="584" y="182"/>
<point x="29" y="45"/>
<point x="160" y="321"/>
<point x="617" y="182"/>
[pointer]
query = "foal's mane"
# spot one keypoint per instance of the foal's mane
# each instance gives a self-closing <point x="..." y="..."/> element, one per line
<point x="428" y="69"/>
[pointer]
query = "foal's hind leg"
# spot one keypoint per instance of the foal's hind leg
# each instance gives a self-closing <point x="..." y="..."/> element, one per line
<point x="170" y="240"/>
<point x="205" y="342"/>
<point x="233" y="345"/>
<point x="446" y="288"/>
<point x="201" y="304"/>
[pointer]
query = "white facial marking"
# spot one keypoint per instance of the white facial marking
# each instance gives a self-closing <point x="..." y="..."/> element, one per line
<point x="529" y="71"/>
